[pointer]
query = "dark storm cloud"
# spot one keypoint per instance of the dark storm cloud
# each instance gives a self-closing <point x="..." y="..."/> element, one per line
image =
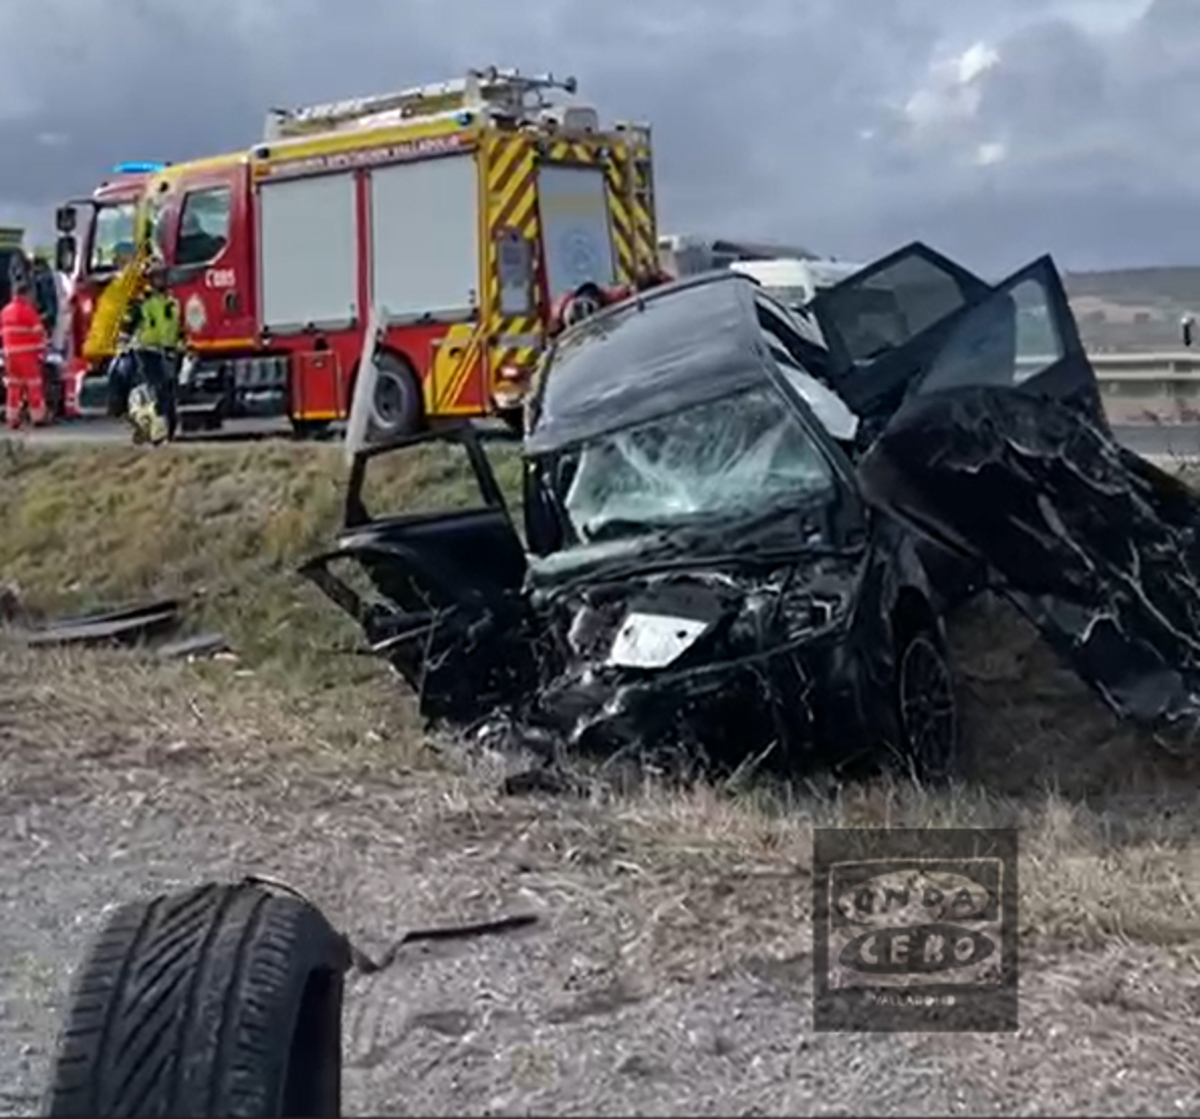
<point x="837" y="123"/>
<point x="1100" y="140"/>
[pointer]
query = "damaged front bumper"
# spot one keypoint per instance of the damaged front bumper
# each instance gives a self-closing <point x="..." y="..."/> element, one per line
<point x="704" y="668"/>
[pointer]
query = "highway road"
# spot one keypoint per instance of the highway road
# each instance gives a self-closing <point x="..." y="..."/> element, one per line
<point x="1168" y="440"/>
<point x="1161" y="440"/>
<point x="102" y="431"/>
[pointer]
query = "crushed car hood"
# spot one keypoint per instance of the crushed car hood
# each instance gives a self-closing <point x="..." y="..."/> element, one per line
<point x="1097" y="546"/>
<point x="646" y="661"/>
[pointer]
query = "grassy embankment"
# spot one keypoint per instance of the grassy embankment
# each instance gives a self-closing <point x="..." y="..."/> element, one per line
<point x="223" y="528"/>
<point x="1111" y="850"/>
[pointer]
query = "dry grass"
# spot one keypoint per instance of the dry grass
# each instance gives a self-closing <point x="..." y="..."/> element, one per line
<point x="674" y="921"/>
<point x="1110" y="853"/>
<point x="713" y="870"/>
<point x="222" y="527"/>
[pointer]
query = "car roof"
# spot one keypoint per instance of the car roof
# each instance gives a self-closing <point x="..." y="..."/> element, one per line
<point x="680" y="344"/>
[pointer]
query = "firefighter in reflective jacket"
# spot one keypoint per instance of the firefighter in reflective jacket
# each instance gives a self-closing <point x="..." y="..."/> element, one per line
<point x="24" y="342"/>
<point x="155" y="330"/>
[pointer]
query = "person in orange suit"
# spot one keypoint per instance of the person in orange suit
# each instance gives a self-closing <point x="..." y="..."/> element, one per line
<point x="23" y="339"/>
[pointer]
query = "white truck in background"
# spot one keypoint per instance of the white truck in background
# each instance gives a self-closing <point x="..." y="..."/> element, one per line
<point x="795" y="282"/>
<point x="792" y="275"/>
<point x="688" y="254"/>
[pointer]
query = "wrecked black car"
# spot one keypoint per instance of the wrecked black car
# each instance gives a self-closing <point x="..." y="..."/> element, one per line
<point x="743" y="526"/>
<point x="702" y="575"/>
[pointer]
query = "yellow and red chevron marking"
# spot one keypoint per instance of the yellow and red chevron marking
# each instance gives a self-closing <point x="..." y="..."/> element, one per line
<point x="620" y="212"/>
<point x="511" y="185"/>
<point x="451" y="390"/>
<point x="581" y="152"/>
<point x="645" y="224"/>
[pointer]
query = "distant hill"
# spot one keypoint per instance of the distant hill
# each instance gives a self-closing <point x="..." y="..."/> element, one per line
<point x="1133" y="308"/>
<point x="1173" y="286"/>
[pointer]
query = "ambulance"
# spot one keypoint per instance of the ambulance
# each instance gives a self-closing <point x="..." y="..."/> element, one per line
<point x="447" y="220"/>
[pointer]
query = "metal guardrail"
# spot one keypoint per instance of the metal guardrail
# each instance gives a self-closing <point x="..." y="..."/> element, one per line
<point x="1168" y="366"/>
<point x="1147" y="369"/>
<point x="1161" y="387"/>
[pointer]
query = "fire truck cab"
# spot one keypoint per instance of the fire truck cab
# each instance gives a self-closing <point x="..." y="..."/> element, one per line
<point x="454" y="215"/>
<point x="93" y="256"/>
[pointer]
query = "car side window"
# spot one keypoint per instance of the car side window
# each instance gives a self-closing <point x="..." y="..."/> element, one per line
<point x="203" y="226"/>
<point x="1005" y="341"/>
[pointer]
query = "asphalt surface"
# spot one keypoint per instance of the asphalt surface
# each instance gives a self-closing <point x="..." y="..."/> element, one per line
<point x="1164" y="439"/>
<point x="1146" y="439"/>
<point x="102" y="431"/>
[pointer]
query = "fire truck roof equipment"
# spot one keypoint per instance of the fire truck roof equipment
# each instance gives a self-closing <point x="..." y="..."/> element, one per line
<point x="493" y="92"/>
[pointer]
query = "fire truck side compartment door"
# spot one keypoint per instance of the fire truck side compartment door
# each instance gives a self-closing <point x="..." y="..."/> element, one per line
<point x="425" y="238"/>
<point x="308" y="253"/>
<point x="577" y="242"/>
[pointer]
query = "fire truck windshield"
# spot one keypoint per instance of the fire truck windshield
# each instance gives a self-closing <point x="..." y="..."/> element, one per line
<point x="112" y="236"/>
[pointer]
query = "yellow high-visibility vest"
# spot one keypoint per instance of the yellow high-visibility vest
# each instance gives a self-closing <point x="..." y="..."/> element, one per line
<point x="158" y="323"/>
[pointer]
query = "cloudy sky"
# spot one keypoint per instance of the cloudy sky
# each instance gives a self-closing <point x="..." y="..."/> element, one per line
<point x="995" y="129"/>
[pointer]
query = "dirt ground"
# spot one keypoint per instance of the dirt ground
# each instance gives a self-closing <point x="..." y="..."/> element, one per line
<point x="670" y="970"/>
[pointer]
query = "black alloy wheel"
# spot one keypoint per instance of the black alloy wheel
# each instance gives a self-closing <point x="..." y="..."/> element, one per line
<point x="927" y="709"/>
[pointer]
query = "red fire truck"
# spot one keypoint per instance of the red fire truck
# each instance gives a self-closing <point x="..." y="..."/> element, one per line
<point x="108" y="245"/>
<point x="454" y="215"/>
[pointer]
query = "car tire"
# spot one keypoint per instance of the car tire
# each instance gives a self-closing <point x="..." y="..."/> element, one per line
<point x="222" y="1000"/>
<point x="926" y="711"/>
<point x="397" y="408"/>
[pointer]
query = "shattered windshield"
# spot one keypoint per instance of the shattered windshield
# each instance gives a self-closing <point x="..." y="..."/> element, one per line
<point x="735" y="457"/>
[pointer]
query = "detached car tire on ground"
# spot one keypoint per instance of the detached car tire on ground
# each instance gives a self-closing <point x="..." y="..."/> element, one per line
<point x="224" y="1000"/>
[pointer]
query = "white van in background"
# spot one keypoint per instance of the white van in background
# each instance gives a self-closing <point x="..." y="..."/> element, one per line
<point x="795" y="283"/>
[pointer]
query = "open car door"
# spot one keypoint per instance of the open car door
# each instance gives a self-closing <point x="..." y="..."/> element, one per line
<point x="1001" y="450"/>
<point x="881" y="322"/>
<point x="442" y="596"/>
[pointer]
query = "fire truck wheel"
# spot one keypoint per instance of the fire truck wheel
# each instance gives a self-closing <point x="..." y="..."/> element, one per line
<point x="396" y="406"/>
<point x="222" y="1000"/>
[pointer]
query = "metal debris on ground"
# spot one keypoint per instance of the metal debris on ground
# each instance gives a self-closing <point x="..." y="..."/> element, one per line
<point x="363" y="963"/>
<point x="155" y="624"/>
<point x="201" y="645"/>
<point x="366" y="965"/>
<point x="126" y="625"/>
